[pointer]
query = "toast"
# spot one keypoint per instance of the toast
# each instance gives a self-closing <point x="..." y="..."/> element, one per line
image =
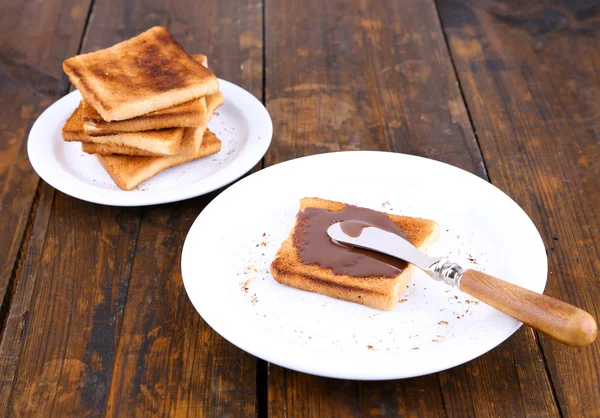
<point x="376" y="292"/>
<point x="213" y="101"/>
<point x="163" y="142"/>
<point x="188" y="114"/>
<point x="146" y="73"/>
<point x="128" y="172"/>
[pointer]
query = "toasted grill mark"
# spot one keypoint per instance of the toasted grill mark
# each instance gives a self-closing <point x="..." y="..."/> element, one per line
<point x="165" y="38"/>
<point x="161" y="74"/>
<point x="82" y="85"/>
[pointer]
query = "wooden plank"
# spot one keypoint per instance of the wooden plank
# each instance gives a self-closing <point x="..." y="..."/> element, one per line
<point x="17" y="320"/>
<point x="30" y="78"/>
<point x="322" y="98"/>
<point x="66" y="365"/>
<point x="531" y="79"/>
<point x="74" y="315"/>
<point x="169" y="362"/>
<point x="377" y="75"/>
<point x="75" y="310"/>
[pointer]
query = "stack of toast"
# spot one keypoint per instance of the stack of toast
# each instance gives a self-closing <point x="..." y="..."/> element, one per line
<point x="145" y="106"/>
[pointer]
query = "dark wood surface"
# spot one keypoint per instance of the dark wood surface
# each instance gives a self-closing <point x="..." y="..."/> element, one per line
<point x="94" y="317"/>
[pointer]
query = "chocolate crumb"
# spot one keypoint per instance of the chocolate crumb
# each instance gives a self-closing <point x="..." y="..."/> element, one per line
<point x="370" y="347"/>
<point x="443" y="323"/>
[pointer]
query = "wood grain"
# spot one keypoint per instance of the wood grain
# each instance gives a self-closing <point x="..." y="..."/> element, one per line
<point x="18" y="317"/>
<point x="377" y="75"/>
<point x="169" y="362"/>
<point x="71" y="331"/>
<point x="30" y="78"/>
<point x="75" y="309"/>
<point x="557" y="319"/>
<point x="531" y="79"/>
<point x="339" y="75"/>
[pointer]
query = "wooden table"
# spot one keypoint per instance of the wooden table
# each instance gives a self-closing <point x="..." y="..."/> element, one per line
<point x="94" y="317"/>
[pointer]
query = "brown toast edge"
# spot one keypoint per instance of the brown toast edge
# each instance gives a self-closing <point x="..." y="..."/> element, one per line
<point x="210" y="145"/>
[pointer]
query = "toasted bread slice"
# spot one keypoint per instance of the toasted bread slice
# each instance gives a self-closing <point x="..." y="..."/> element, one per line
<point x="128" y="172"/>
<point x="162" y="142"/>
<point x="146" y="73"/>
<point x="189" y="114"/>
<point x="376" y="292"/>
<point x="214" y="101"/>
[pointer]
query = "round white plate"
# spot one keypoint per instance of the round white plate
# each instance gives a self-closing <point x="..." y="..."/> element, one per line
<point x="242" y="124"/>
<point x="227" y="253"/>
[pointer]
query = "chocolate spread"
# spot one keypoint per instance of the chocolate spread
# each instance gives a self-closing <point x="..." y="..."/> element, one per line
<point x="316" y="247"/>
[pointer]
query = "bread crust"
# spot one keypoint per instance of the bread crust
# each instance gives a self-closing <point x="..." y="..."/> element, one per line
<point x="110" y="149"/>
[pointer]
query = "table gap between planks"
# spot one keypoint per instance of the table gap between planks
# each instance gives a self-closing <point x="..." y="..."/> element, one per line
<point x="95" y="320"/>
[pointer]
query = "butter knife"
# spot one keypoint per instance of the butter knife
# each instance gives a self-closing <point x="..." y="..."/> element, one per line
<point x="558" y="320"/>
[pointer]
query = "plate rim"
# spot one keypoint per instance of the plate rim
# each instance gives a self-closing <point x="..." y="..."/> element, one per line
<point x="253" y="153"/>
<point x="308" y="368"/>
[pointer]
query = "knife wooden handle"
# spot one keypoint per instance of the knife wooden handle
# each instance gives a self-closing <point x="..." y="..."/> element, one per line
<point x="557" y="319"/>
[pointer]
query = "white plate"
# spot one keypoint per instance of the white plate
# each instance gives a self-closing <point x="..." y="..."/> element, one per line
<point x="242" y="124"/>
<point x="228" y="250"/>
